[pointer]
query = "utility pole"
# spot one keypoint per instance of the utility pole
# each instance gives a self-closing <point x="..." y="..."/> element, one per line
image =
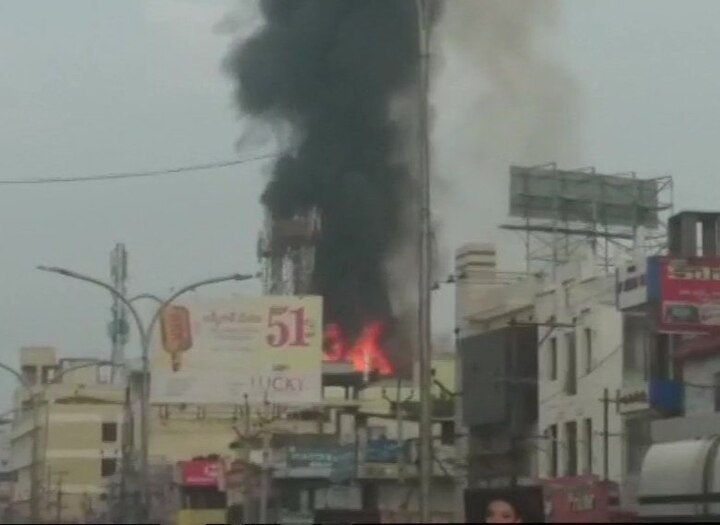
<point x="399" y="422"/>
<point x="425" y="277"/>
<point x="606" y="434"/>
<point x="265" y="478"/>
<point x="35" y="489"/>
<point x="118" y="328"/>
<point x="59" y="496"/>
<point x="244" y="438"/>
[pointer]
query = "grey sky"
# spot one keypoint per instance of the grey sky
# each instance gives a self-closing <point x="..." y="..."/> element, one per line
<point x="90" y="87"/>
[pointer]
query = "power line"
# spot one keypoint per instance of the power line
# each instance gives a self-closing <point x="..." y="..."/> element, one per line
<point x="138" y="174"/>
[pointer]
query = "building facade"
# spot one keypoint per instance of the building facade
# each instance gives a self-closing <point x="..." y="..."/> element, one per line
<point x="68" y="425"/>
<point x="580" y="371"/>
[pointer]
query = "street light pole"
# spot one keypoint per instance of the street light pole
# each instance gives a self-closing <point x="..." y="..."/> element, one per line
<point x="145" y="334"/>
<point x="425" y="285"/>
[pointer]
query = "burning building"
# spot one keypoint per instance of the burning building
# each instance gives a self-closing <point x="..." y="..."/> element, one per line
<point x="339" y="194"/>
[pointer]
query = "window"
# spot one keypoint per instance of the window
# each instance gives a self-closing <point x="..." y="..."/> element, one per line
<point x="447" y="432"/>
<point x="588" y="350"/>
<point x="48" y="374"/>
<point x="660" y="364"/>
<point x="588" y="443"/>
<point x="716" y="391"/>
<point x="571" y="376"/>
<point x="108" y="466"/>
<point x="637" y="432"/>
<point x="29" y="374"/>
<point x="635" y="346"/>
<point x="552" y="360"/>
<point x="572" y="449"/>
<point x="109" y="432"/>
<point x="552" y="435"/>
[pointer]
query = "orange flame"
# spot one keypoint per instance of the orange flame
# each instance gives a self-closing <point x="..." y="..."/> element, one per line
<point x="366" y="353"/>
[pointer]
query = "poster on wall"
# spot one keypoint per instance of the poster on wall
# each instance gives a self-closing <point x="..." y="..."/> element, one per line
<point x="688" y="293"/>
<point x="225" y="351"/>
<point x="505" y="505"/>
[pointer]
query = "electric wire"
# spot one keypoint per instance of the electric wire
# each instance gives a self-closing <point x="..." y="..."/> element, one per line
<point x="206" y="166"/>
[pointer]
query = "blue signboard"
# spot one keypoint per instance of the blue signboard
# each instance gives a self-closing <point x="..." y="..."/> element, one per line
<point x="382" y="451"/>
<point x="335" y="463"/>
<point x="666" y="395"/>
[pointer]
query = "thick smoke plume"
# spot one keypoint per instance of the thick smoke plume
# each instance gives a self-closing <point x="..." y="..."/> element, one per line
<point x="507" y="97"/>
<point x="330" y="69"/>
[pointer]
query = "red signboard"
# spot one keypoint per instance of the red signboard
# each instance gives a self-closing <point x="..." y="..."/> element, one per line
<point x="201" y="473"/>
<point x="580" y="499"/>
<point x="689" y="294"/>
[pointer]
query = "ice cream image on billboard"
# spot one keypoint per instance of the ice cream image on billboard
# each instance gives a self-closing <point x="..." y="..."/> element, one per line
<point x="176" y="334"/>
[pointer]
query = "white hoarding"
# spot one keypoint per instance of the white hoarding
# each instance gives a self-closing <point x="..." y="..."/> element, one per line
<point x="222" y="351"/>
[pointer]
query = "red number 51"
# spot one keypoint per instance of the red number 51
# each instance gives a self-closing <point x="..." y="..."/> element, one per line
<point x="287" y="327"/>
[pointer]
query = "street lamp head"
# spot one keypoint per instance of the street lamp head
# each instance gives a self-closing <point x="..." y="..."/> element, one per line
<point x="55" y="269"/>
<point x="244" y="276"/>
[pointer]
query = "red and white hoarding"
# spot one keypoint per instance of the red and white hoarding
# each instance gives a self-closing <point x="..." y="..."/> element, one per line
<point x="689" y="294"/>
<point x="581" y="499"/>
<point x="201" y="473"/>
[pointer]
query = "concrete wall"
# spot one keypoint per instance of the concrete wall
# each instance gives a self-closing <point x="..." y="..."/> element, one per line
<point x="700" y="399"/>
<point x="680" y="428"/>
<point x="395" y="497"/>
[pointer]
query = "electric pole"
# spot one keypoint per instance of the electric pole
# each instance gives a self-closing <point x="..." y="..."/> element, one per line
<point x="425" y="277"/>
<point x="59" y="496"/>
<point x="118" y="327"/>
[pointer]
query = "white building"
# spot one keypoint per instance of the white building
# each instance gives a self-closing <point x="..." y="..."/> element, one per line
<point x="580" y="356"/>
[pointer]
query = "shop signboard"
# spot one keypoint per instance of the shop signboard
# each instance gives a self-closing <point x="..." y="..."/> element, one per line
<point x="334" y="463"/>
<point x="687" y="291"/>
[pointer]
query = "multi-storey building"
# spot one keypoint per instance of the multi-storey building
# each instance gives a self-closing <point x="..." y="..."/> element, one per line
<point x="541" y="360"/>
<point x="7" y="472"/>
<point x="580" y="356"/>
<point x="67" y="427"/>
<point x="496" y="415"/>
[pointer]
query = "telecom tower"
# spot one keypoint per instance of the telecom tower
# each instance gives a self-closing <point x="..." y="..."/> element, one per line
<point x="558" y="211"/>
<point x="118" y="328"/>
<point x="287" y="249"/>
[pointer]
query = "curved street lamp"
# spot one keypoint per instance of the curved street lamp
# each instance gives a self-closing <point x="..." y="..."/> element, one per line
<point x="36" y="403"/>
<point x="146" y="332"/>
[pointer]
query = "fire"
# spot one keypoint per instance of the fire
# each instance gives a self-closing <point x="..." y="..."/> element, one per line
<point x="366" y="353"/>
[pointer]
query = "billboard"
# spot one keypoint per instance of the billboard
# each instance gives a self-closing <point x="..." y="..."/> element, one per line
<point x="222" y="351"/>
<point x="687" y="291"/>
<point x="522" y="504"/>
<point x="336" y="463"/>
<point x="579" y="499"/>
<point x="579" y="196"/>
<point x="201" y="473"/>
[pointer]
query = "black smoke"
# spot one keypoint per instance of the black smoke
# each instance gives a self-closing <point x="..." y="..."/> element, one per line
<point x="330" y="69"/>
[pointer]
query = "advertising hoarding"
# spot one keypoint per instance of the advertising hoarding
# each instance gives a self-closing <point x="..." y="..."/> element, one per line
<point x="224" y="351"/>
<point x="201" y="473"/>
<point x="579" y="196"/>
<point x="579" y="499"/>
<point x="687" y="291"/>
